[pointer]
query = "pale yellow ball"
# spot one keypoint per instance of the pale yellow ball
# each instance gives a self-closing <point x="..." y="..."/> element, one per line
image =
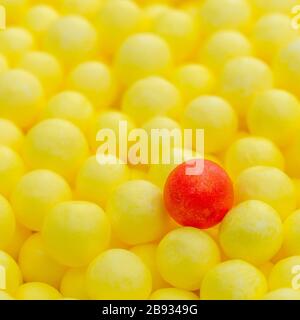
<point x="266" y="6"/>
<point x="173" y="294"/>
<point x="86" y="8"/>
<point x="3" y="63"/>
<point x="35" y="194"/>
<point x="73" y="284"/>
<point x="136" y="212"/>
<point x="118" y="274"/>
<point x="267" y="184"/>
<point x="292" y="234"/>
<point x="233" y="280"/>
<point x="282" y="294"/>
<point x="184" y="256"/>
<point x="7" y="223"/>
<point x="37" y="291"/>
<point x="11" y="135"/>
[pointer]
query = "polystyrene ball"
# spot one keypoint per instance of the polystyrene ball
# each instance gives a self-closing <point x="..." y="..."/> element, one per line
<point x="282" y="294"/>
<point x="173" y="294"/>
<point x="73" y="284"/>
<point x="7" y="223"/>
<point x="292" y="234"/>
<point x="37" y="291"/>
<point x="11" y="135"/>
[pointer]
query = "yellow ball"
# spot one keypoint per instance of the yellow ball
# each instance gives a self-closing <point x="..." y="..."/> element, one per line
<point x="118" y="274"/>
<point x="282" y="294"/>
<point x="233" y="280"/>
<point x="39" y="18"/>
<point x="184" y="256"/>
<point x="5" y="296"/>
<point x="75" y="232"/>
<point x="12" y="272"/>
<point x="36" y="265"/>
<point x="216" y="117"/>
<point x="45" y="67"/>
<point x="11" y="170"/>
<point x="151" y="12"/>
<point x="138" y="101"/>
<point x="95" y="80"/>
<point x="292" y="234"/>
<point x="287" y="67"/>
<point x="269" y="185"/>
<point x="14" y="42"/>
<point x="96" y="181"/>
<point x="7" y="223"/>
<point x="15" y="9"/>
<point x="297" y="187"/>
<point x="109" y="120"/>
<point x="232" y="14"/>
<point x="258" y="228"/>
<point x="193" y="80"/>
<point x="14" y="246"/>
<point x="160" y="122"/>
<point x="10" y="135"/>
<point x="72" y="106"/>
<point x="137" y="212"/>
<point x="266" y="6"/>
<point x="271" y="33"/>
<point x="283" y="275"/>
<point x="241" y="79"/>
<point x="142" y="55"/>
<point x="252" y="151"/>
<point x="56" y="145"/>
<point x="292" y="157"/>
<point x="275" y="114"/>
<point x="147" y="253"/>
<point x="37" y="291"/>
<point x="180" y="31"/>
<point x="21" y="97"/>
<point x="173" y="294"/>
<point x="87" y="8"/>
<point x="116" y="21"/>
<point x="223" y="46"/>
<point x="73" y="284"/>
<point x="72" y="39"/>
<point x="35" y="194"/>
<point x="3" y="63"/>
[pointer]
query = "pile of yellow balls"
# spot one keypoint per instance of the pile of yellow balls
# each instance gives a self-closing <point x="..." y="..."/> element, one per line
<point x="71" y="228"/>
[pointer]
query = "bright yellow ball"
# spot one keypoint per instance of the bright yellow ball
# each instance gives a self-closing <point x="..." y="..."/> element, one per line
<point x="3" y="63"/>
<point x="35" y="194"/>
<point x="11" y="170"/>
<point x="292" y="234"/>
<point x="56" y="145"/>
<point x="292" y="157"/>
<point x="282" y="294"/>
<point x="241" y="79"/>
<point x="232" y="14"/>
<point x="137" y="212"/>
<point x="173" y="294"/>
<point x="14" y="246"/>
<point x="258" y="228"/>
<point x="269" y="185"/>
<point x="275" y="114"/>
<point x="87" y="8"/>
<point x="139" y="103"/>
<point x="12" y="272"/>
<point x="96" y="181"/>
<point x="184" y="256"/>
<point x="180" y="31"/>
<point x="45" y="67"/>
<point x="75" y="232"/>
<point x="72" y="106"/>
<point x="216" y="117"/>
<point x="5" y="296"/>
<point x="223" y="46"/>
<point x="72" y="39"/>
<point x="151" y="12"/>
<point x="116" y="21"/>
<point x="15" y="9"/>
<point x="233" y="280"/>
<point x="37" y="291"/>
<point x="7" y="223"/>
<point x="10" y="135"/>
<point x="73" y="284"/>
<point x="118" y="274"/>
<point x="14" y="42"/>
<point x="39" y="18"/>
<point x="297" y="187"/>
<point x="283" y="275"/>
<point x="271" y="33"/>
<point x="252" y="151"/>
<point x="193" y="80"/>
<point x="266" y="6"/>
<point x="36" y="265"/>
<point x="95" y="80"/>
<point x="160" y="122"/>
<point x="142" y="55"/>
<point x="287" y="67"/>
<point x="21" y="97"/>
<point x="147" y="253"/>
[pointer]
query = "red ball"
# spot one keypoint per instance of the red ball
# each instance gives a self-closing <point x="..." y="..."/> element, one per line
<point x="201" y="200"/>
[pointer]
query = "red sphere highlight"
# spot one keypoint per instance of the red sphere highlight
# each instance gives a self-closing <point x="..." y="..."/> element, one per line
<point x="199" y="201"/>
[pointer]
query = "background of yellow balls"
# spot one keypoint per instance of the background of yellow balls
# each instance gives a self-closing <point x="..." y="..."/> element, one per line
<point x="71" y="228"/>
